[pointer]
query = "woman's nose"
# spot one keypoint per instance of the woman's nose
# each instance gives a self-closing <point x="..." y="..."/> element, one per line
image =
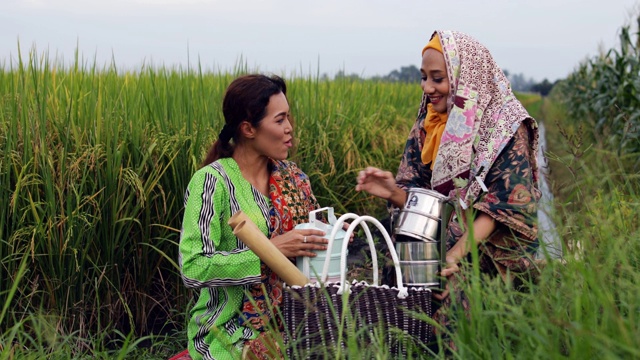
<point x="426" y="87"/>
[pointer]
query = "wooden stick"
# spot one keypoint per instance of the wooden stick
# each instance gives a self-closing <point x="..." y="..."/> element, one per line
<point x="249" y="233"/>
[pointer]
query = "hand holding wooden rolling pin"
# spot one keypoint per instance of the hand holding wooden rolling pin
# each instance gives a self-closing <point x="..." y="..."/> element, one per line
<point x="298" y="243"/>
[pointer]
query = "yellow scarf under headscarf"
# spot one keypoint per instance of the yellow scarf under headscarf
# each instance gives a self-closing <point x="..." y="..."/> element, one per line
<point x="434" y="125"/>
<point x="434" y="122"/>
<point x="434" y="43"/>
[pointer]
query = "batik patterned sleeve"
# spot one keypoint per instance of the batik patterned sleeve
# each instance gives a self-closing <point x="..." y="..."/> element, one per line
<point x="412" y="172"/>
<point x="304" y="184"/>
<point x="210" y="254"/>
<point x="513" y="192"/>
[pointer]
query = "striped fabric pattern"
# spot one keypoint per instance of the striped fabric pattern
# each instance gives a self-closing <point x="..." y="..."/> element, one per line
<point x="218" y="265"/>
<point x="214" y="261"/>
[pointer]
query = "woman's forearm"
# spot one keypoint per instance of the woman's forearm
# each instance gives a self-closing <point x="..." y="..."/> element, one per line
<point x="483" y="226"/>
<point x="398" y="198"/>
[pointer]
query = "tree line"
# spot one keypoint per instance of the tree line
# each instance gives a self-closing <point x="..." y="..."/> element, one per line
<point x="411" y="74"/>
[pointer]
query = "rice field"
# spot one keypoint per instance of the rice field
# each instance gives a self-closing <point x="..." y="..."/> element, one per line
<point x="94" y="162"/>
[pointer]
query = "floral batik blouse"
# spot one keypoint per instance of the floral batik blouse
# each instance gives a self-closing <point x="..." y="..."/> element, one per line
<point x="511" y="199"/>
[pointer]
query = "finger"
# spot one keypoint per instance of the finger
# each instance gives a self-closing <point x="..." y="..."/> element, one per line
<point x="387" y="175"/>
<point x="379" y="173"/>
<point x="312" y="232"/>
<point x="362" y="184"/>
<point x="363" y="174"/>
<point x="446" y="272"/>
<point x="310" y="247"/>
<point x="367" y="170"/>
<point x="311" y="239"/>
<point x="362" y="187"/>
<point x="444" y="294"/>
<point x="368" y="187"/>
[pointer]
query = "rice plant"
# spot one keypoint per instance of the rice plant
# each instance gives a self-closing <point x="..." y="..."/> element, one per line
<point x="94" y="162"/>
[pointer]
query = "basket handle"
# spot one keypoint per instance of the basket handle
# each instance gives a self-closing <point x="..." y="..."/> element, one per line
<point x="403" y="291"/>
<point x="337" y="226"/>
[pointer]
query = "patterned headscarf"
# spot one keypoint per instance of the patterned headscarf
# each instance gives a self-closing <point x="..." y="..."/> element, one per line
<point x="483" y="115"/>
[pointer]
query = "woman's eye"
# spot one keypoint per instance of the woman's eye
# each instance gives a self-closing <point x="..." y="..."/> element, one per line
<point x="438" y="80"/>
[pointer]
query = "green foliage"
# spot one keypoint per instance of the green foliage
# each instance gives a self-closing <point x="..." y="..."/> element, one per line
<point x="344" y="126"/>
<point x="94" y="163"/>
<point x="532" y="102"/>
<point x="608" y="94"/>
<point x="93" y="167"/>
<point x="581" y="306"/>
<point x="407" y="74"/>
<point x="543" y="88"/>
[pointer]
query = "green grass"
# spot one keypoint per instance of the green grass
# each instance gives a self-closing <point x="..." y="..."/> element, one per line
<point x="532" y="102"/>
<point x="94" y="162"/>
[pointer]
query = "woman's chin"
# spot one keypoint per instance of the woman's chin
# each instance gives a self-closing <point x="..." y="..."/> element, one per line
<point x="281" y="156"/>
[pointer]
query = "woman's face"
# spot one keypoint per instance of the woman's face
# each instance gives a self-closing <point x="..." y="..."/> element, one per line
<point x="435" y="82"/>
<point x="274" y="137"/>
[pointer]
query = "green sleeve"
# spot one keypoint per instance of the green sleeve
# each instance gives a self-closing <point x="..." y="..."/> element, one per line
<point x="210" y="254"/>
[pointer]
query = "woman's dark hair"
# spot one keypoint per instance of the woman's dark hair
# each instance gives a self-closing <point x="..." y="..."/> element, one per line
<point x="246" y="99"/>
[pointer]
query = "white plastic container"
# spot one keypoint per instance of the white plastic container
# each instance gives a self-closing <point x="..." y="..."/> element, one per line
<point x="312" y="267"/>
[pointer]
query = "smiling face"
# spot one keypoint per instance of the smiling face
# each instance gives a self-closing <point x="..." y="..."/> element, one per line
<point x="435" y="82"/>
<point x="274" y="135"/>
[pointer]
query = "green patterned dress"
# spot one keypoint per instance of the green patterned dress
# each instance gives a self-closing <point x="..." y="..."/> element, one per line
<point x="231" y="308"/>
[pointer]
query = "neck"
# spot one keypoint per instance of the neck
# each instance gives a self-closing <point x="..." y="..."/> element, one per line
<point x="253" y="167"/>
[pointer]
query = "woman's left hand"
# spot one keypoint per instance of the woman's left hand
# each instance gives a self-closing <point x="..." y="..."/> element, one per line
<point x="300" y="242"/>
<point x="449" y="270"/>
<point x="345" y="226"/>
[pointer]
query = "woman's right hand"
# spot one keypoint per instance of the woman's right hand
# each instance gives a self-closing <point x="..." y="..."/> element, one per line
<point x="300" y="242"/>
<point x="381" y="184"/>
<point x="376" y="182"/>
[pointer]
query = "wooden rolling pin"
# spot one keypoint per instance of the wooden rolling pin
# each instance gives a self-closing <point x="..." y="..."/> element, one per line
<point x="249" y="233"/>
<point x="237" y="218"/>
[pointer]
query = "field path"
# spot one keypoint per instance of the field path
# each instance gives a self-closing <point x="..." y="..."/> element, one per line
<point x="547" y="233"/>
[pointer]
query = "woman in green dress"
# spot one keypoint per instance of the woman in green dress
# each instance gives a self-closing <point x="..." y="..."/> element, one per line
<point x="246" y="169"/>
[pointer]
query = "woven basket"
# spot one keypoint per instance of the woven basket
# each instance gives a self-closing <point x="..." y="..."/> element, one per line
<point x="320" y="316"/>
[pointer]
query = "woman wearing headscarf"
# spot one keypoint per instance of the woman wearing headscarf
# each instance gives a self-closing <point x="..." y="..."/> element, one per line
<point x="474" y="142"/>
<point x="245" y="170"/>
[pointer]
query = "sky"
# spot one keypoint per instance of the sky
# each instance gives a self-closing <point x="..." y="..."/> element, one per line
<point x="538" y="38"/>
